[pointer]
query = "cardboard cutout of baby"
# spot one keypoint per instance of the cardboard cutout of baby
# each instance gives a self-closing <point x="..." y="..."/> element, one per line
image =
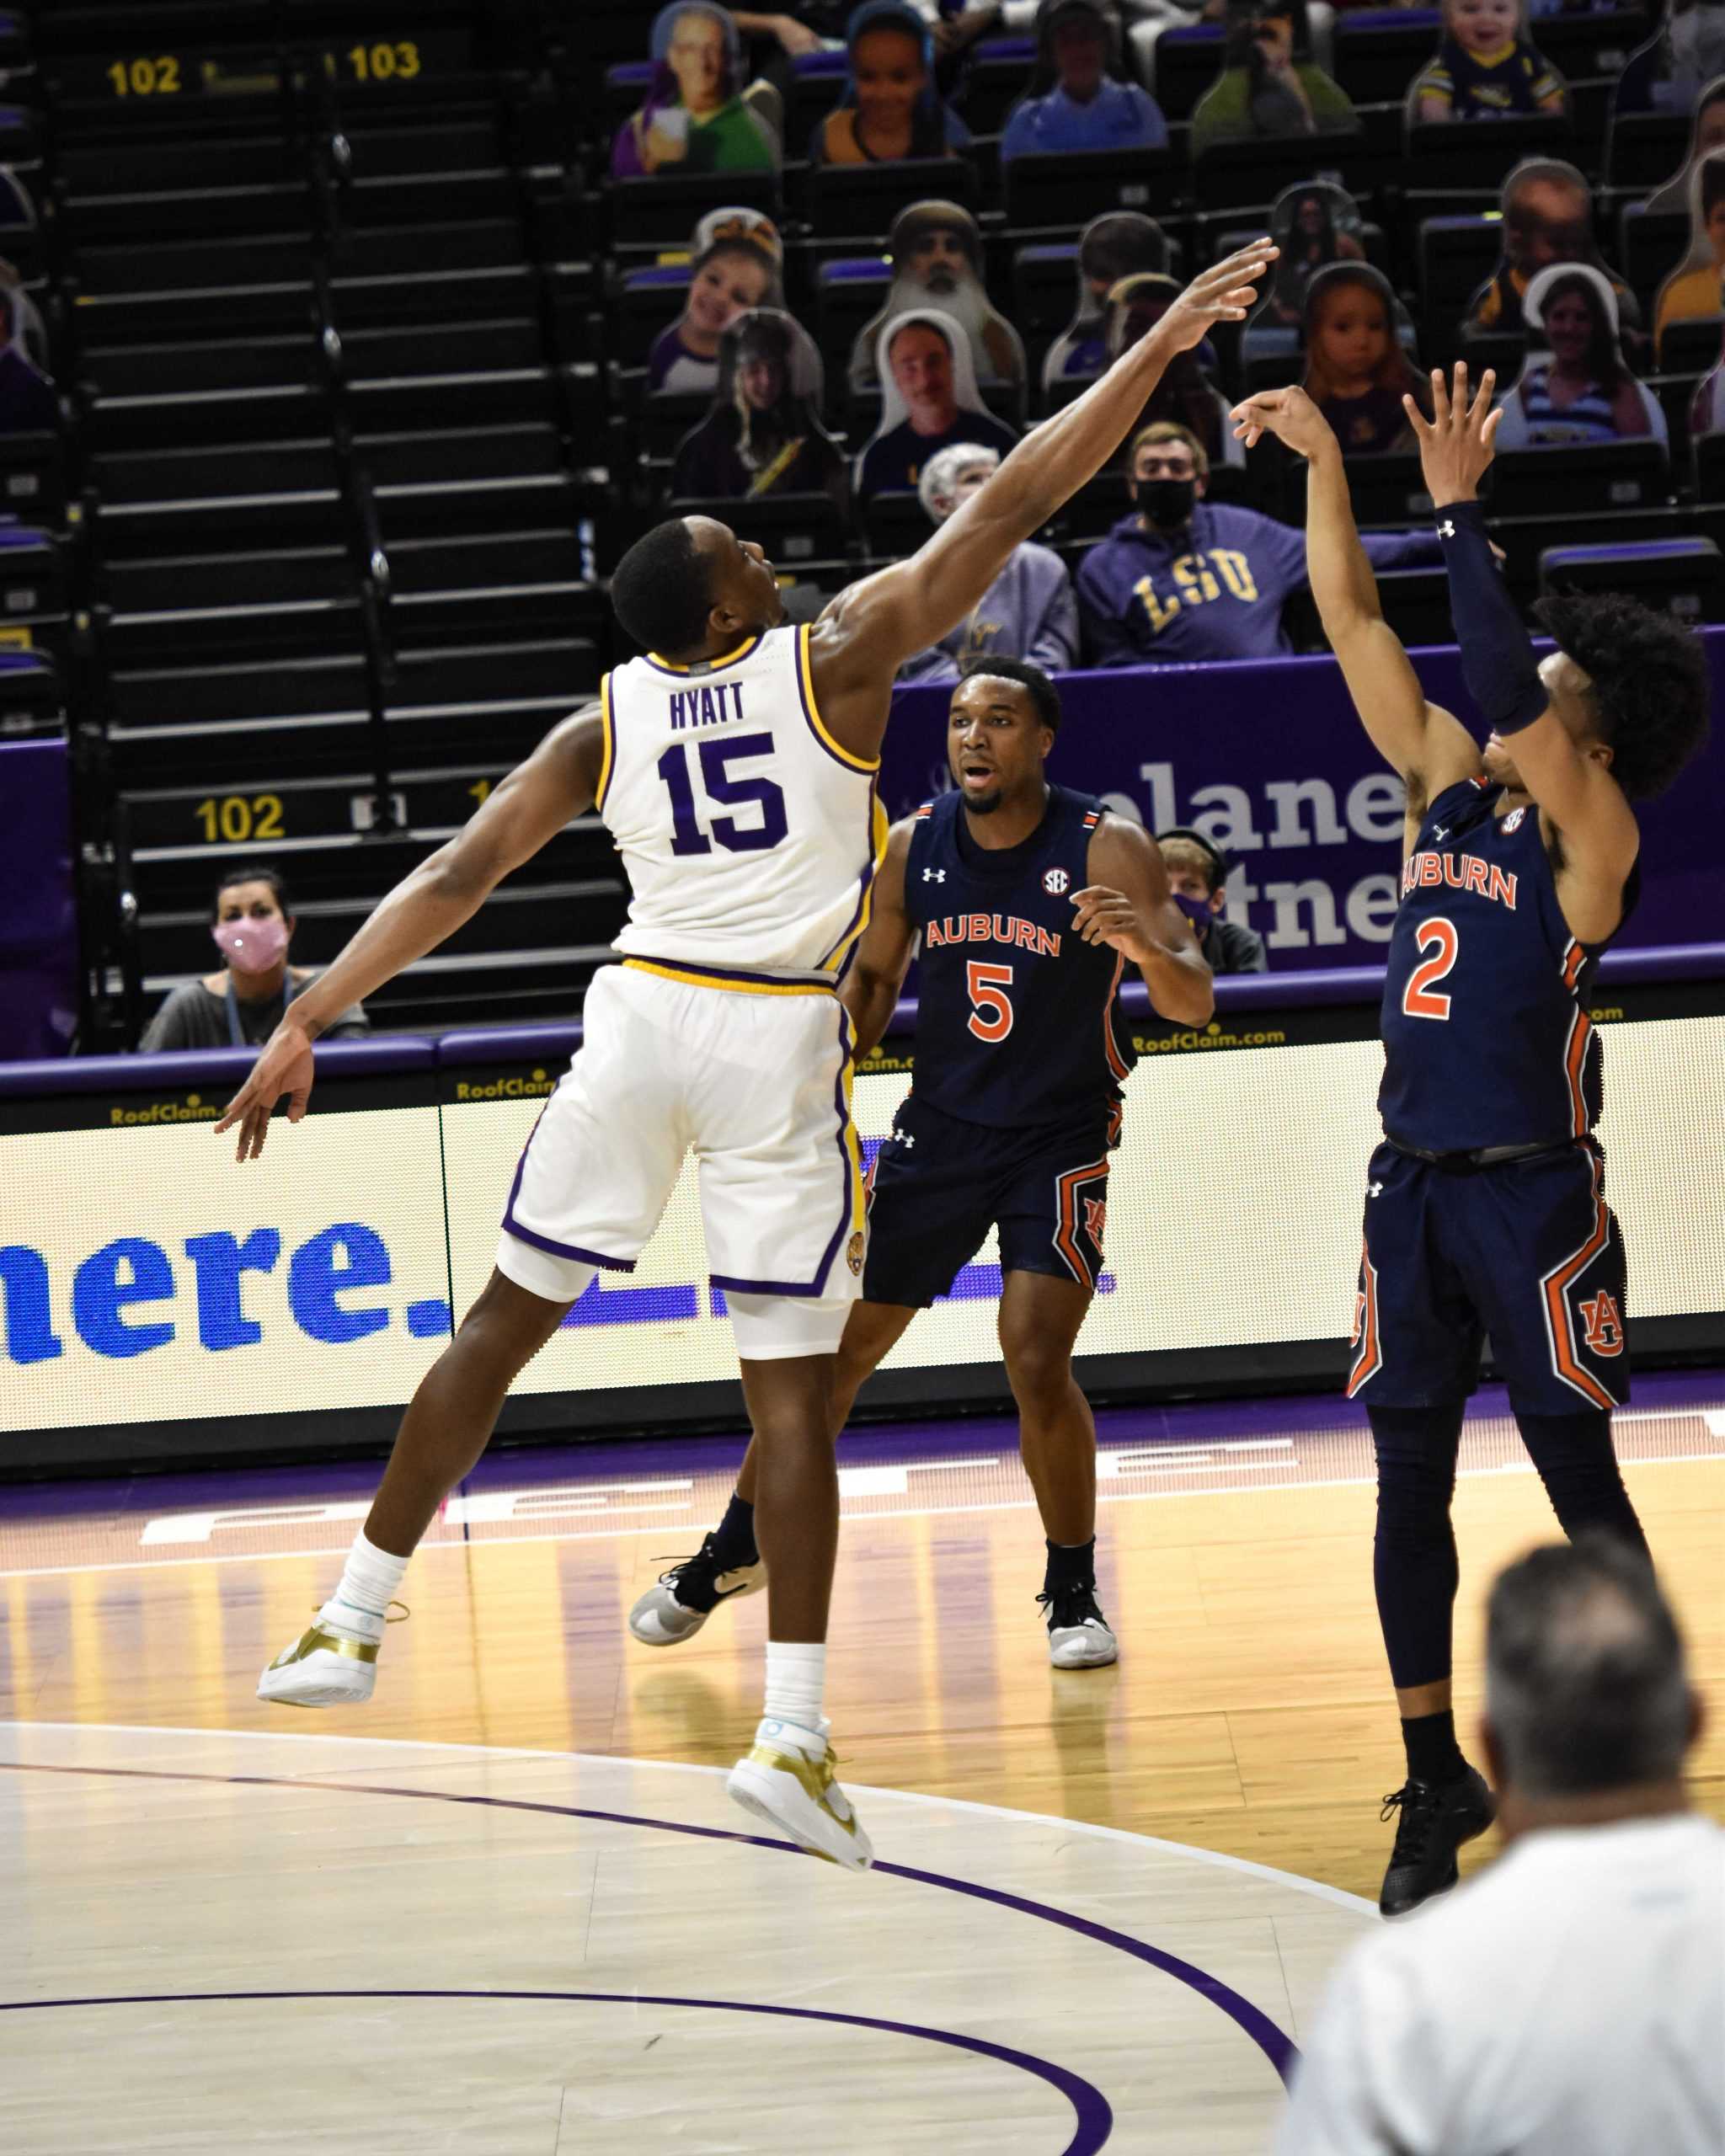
<point x="1575" y="385"/>
<point x="1185" y="395"/>
<point x="1697" y="287"/>
<point x="1080" y="98"/>
<point x="1487" y="67"/>
<point x="937" y="255"/>
<point x="1670" y="72"/>
<point x="1547" y="212"/>
<point x="734" y="263"/>
<point x="1270" y="84"/>
<point x="695" y="118"/>
<point x="1707" y="132"/>
<point x="1120" y="244"/>
<point x="1358" y="368"/>
<point x="1314" y="224"/>
<point x="929" y="400"/>
<point x="763" y="434"/>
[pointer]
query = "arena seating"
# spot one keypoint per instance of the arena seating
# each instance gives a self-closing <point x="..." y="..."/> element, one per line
<point x="349" y="325"/>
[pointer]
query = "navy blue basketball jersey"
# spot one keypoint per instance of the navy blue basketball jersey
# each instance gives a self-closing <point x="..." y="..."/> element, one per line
<point x="1488" y="1040"/>
<point x="1016" y="1021"/>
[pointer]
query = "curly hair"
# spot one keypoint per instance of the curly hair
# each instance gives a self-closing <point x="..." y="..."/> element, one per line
<point x="1650" y="689"/>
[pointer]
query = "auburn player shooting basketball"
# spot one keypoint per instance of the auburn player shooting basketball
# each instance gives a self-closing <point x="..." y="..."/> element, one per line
<point x="1030" y="901"/>
<point x="735" y="765"/>
<point x="1485" y="1209"/>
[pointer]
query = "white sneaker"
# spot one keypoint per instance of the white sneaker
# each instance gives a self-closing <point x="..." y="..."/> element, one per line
<point x="663" y="1618"/>
<point x="779" y="1783"/>
<point x="334" y="1664"/>
<point x="1078" y="1635"/>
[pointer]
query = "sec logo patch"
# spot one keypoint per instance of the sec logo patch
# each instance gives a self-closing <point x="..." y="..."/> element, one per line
<point x="1055" y="881"/>
<point x="853" y="1254"/>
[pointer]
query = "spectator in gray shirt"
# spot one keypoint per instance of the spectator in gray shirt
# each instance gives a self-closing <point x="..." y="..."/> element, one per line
<point x="251" y="923"/>
<point x="1027" y="612"/>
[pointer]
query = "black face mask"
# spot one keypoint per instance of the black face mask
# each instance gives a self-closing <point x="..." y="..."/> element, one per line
<point x="1168" y="502"/>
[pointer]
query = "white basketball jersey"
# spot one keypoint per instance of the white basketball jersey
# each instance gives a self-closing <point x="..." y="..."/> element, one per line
<point x="750" y="837"/>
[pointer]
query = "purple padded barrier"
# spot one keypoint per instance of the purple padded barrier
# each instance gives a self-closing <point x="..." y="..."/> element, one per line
<point x="38" y="951"/>
<point x="1267" y="759"/>
<point x="507" y="1044"/>
<point x="169" y="1073"/>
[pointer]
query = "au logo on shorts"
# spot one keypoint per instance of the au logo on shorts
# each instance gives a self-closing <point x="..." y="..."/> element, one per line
<point x="1096" y="1217"/>
<point x="1604" y="1321"/>
<point x="853" y="1254"/>
<point x="1055" y="881"/>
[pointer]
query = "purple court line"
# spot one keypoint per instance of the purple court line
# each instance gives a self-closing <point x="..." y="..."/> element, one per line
<point x="1277" y="2047"/>
<point x="1095" y="2118"/>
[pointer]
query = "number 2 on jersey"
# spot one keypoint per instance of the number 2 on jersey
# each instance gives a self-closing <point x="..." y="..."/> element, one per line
<point x="990" y="1000"/>
<point x="1438" y="936"/>
<point x="717" y="757"/>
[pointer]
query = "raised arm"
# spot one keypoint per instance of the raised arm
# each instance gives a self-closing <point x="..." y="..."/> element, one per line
<point x="1575" y="791"/>
<point x="868" y="631"/>
<point x="870" y="990"/>
<point x="1126" y="904"/>
<point x="556" y="782"/>
<point x="1429" y="747"/>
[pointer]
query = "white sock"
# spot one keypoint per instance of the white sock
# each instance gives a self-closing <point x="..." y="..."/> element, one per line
<point x="369" y="1579"/>
<point x="796" y="1675"/>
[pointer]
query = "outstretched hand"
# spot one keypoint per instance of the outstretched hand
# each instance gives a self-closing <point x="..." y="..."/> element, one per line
<point x="1289" y="414"/>
<point x="1458" y="442"/>
<point x="284" y="1065"/>
<point x="1222" y="294"/>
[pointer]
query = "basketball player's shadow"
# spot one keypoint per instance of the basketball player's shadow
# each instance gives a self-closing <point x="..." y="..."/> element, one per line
<point x="680" y="1712"/>
<point x="1081" y="1703"/>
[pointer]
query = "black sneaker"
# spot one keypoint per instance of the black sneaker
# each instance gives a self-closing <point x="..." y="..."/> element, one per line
<point x="682" y="1599"/>
<point x="1078" y="1635"/>
<point x="1436" y="1820"/>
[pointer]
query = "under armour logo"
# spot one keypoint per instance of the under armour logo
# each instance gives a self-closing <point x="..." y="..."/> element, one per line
<point x="1439" y="831"/>
<point x="1374" y="1190"/>
<point x="934" y="875"/>
<point x="902" y="1137"/>
<point x="1446" y="530"/>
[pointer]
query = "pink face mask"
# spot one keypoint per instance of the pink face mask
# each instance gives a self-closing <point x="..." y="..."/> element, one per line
<point x="251" y="946"/>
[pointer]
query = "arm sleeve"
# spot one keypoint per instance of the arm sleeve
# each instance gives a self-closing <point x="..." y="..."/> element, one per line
<point x="1054" y="647"/>
<point x="1496" y="653"/>
<point x="1402" y="550"/>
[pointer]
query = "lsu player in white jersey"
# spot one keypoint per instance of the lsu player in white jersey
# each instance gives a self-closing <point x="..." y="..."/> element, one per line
<point x="735" y="766"/>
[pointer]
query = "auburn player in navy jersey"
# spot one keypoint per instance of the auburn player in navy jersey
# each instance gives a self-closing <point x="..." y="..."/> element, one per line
<point x="1030" y="901"/>
<point x="1485" y="1209"/>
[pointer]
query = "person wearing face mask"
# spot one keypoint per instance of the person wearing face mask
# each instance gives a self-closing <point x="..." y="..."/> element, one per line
<point x="1197" y="883"/>
<point x="242" y="1003"/>
<point x="1181" y="580"/>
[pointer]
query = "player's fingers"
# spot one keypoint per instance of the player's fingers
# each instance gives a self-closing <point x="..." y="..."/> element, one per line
<point x="1440" y="400"/>
<point x="1487" y="433"/>
<point x="1483" y="397"/>
<point x="1458" y="396"/>
<point x="235" y="1109"/>
<point x="1422" y="428"/>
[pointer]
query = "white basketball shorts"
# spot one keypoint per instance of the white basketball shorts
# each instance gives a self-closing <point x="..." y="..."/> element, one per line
<point x="757" y="1084"/>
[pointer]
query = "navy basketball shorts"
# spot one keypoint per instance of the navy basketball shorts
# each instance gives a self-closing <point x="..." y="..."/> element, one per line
<point x="1526" y="1251"/>
<point x="937" y="1186"/>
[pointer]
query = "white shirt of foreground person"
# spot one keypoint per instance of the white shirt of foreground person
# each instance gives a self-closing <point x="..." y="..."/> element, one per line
<point x="1570" y="2001"/>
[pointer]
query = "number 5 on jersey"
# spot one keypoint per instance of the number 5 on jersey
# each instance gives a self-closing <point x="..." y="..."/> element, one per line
<point x="1437" y="935"/>
<point x="990" y="1000"/>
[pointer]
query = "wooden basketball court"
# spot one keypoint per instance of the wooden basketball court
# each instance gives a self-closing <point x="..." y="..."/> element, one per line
<point x="508" y="1907"/>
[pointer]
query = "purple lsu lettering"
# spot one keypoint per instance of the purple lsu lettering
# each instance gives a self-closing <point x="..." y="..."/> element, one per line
<point x="717" y="704"/>
<point x="994" y="928"/>
<point x="1464" y="872"/>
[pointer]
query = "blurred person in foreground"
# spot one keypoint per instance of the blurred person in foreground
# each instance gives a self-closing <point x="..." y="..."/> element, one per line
<point x="1570" y="2001"/>
<point x="251" y="924"/>
<point x="1027" y="612"/>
